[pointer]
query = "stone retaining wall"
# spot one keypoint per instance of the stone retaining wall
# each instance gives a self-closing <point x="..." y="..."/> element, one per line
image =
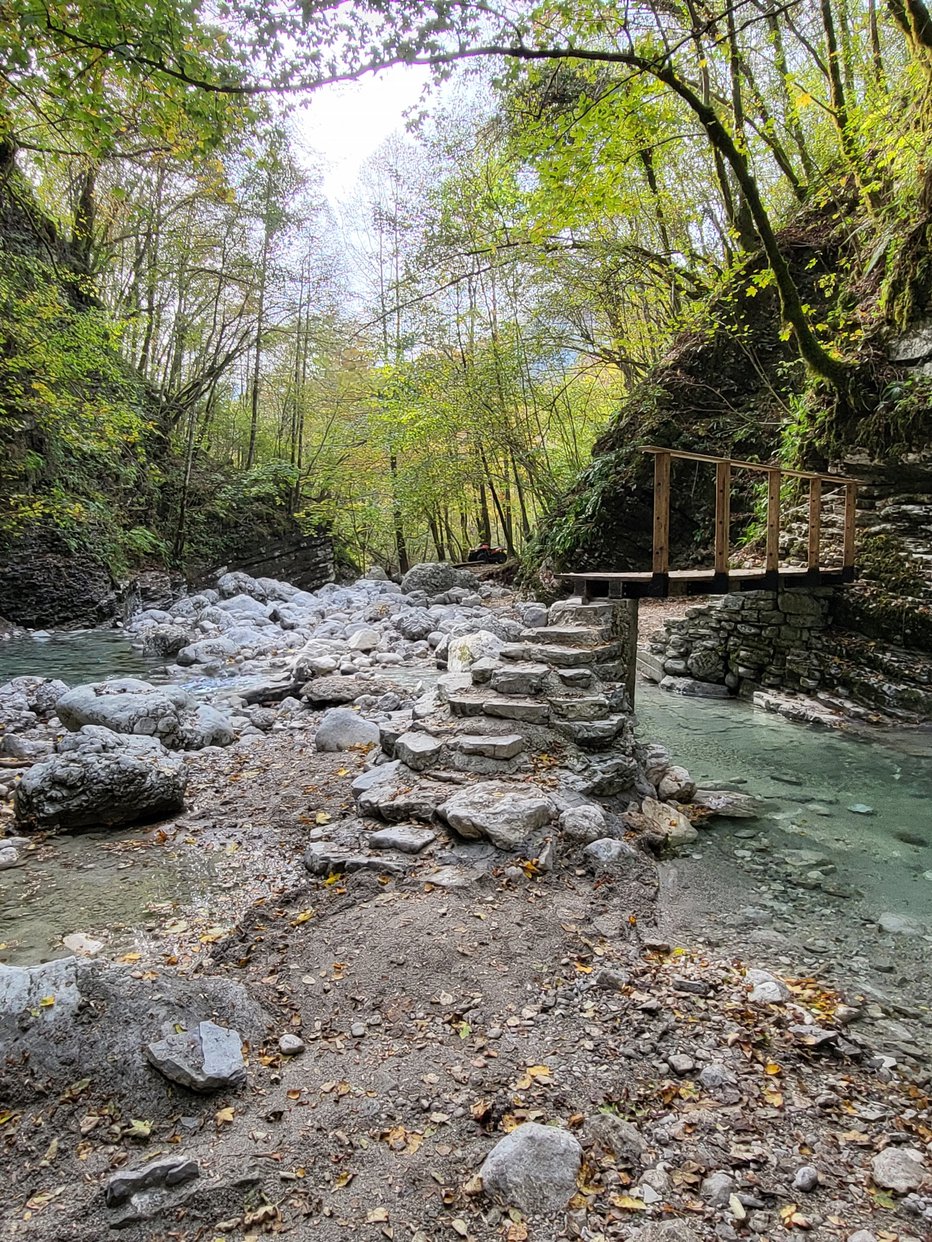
<point x="757" y="638"/>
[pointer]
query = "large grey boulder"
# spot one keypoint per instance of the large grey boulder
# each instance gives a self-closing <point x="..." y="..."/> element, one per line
<point x="465" y="651"/>
<point x="207" y="726"/>
<point x="341" y="729"/>
<point x="41" y="694"/>
<point x="534" y="1168"/>
<point x="101" y="779"/>
<point x="434" y="578"/>
<point x="900" y="1169"/>
<point x="207" y="651"/>
<point x="16" y="716"/>
<point x="203" y="1060"/>
<point x="126" y="705"/>
<point x="413" y="623"/>
<point x="238" y="583"/>
<point x="165" y="640"/>
<point x="505" y="814"/>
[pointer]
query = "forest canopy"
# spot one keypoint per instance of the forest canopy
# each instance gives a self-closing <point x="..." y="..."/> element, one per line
<point x="430" y="363"/>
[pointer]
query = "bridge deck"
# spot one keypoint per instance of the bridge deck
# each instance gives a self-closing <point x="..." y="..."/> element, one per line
<point x="701" y="582"/>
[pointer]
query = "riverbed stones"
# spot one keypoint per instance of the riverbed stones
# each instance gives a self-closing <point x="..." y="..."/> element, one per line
<point x="127" y="705"/>
<point x="204" y="1060"/>
<point x="365" y="639"/>
<point x="496" y="811"/>
<point x="900" y="1169"/>
<point x="166" y="1171"/>
<point x="342" y="729"/>
<point x="534" y="1168"/>
<point x="101" y="779"/>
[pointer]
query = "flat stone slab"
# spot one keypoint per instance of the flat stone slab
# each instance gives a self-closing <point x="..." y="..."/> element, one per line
<point x="517" y="709"/>
<point x="591" y="734"/>
<point x="520" y="679"/>
<point x="418" y="750"/>
<point x="491" y="746"/>
<point x="727" y="804"/>
<point x="587" y="707"/>
<point x="465" y="705"/>
<point x="204" y="1060"/>
<point x="325" y="858"/>
<point x="166" y="1172"/>
<point x="696" y="689"/>
<point x="578" y="678"/>
<point x="402" y="837"/>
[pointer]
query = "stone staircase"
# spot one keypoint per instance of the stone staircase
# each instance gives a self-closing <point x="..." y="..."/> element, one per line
<point x="552" y="677"/>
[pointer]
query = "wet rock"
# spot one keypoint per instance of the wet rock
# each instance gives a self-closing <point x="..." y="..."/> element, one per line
<point x="727" y="804"/>
<point x="101" y="779"/>
<point x="900" y="1169"/>
<point x="504" y="814"/>
<point x="341" y="729"/>
<point x="534" y="1168"/>
<point x="166" y="1171"/>
<point x="696" y="689"/>
<point x="900" y="925"/>
<point x="204" y="1060"/>
<point x="668" y="821"/>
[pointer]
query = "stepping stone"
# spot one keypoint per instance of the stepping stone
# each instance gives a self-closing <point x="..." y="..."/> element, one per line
<point x="464" y="705"/>
<point x="499" y="812"/>
<point x="204" y="1060"/>
<point x="513" y="651"/>
<point x="517" y="709"/>
<point x="569" y="635"/>
<point x="578" y="678"/>
<point x="491" y="746"/>
<point x="324" y="858"/>
<point x="572" y="657"/>
<point x="591" y="707"/>
<point x="591" y="734"/>
<point x="481" y="672"/>
<point x="402" y="837"/>
<point x="520" y="679"/>
<point x="453" y="684"/>
<point x="418" y="750"/>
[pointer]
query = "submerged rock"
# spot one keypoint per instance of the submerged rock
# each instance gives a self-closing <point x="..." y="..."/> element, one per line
<point x="101" y="779"/>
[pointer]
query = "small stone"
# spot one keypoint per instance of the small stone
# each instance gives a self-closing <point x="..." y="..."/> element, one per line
<point x="717" y="1188"/>
<point x="81" y="945"/>
<point x="291" y="1045"/>
<point x="716" y="1075"/>
<point x="806" y="1179"/>
<point x="534" y="1168"/>
<point x="9" y="858"/>
<point x="862" y="1235"/>
<point x="608" y="852"/>
<point x="681" y="1064"/>
<point x="767" y="989"/>
<point x="900" y="1169"/>
<point x="861" y="808"/>
<point x="364" y="640"/>
<point x="900" y="925"/>
<point x="358" y="1030"/>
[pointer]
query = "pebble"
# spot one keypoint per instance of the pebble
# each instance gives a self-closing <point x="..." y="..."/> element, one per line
<point x="681" y="1064"/>
<point x="718" y="1188"/>
<point x="806" y="1179"/>
<point x="358" y="1030"/>
<point x="291" y="1045"/>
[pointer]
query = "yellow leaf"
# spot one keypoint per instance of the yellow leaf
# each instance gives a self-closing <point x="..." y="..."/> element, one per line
<point x="224" y="1117"/>
<point x="343" y="1180"/>
<point x="321" y="818"/>
<point x="47" y="1001"/>
<point x="628" y="1204"/>
<point x="303" y="917"/>
<point x="773" y="1069"/>
<point x="332" y="879"/>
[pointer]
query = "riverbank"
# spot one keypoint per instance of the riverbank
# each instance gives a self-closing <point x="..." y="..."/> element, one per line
<point x="443" y="1004"/>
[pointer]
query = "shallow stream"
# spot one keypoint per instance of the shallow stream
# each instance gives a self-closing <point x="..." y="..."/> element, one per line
<point x="844" y="836"/>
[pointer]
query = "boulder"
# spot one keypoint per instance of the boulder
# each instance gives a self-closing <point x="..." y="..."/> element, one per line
<point x="505" y="814"/>
<point x="207" y="651"/>
<point x="127" y="705"/>
<point x="583" y="823"/>
<point x="464" y="651"/>
<point x="364" y="640"/>
<point x="101" y="779"/>
<point x="203" y="1060"/>
<point x="40" y="693"/>
<point x="727" y="804"/>
<point x="405" y="838"/>
<point x="667" y="820"/>
<point x="534" y="1168"/>
<point x="676" y="785"/>
<point x="418" y="750"/>
<point x="337" y="689"/>
<point x="237" y="583"/>
<point x="413" y="624"/>
<point x="608" y="852"/>
<point x="342" y="729"/>
<point x="433" y="578"/>
<point x="165" y="640"/>
<point x="16" y="716"/>
<point x="207" y="726"/>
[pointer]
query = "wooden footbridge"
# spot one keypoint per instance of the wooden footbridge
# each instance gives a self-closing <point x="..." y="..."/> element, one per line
<point x="661" y="581"/>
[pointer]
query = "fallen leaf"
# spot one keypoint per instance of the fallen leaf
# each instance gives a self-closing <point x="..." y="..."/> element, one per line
<point x="377" y="1216"/>
<point x="628" y="1204"/>
<point x="304" y="917"/>
<point x="224" y="1117"/>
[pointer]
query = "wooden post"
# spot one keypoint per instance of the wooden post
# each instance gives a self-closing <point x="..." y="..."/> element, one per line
<point x="662" y="513"/>
<point x="815" y="523"/>
<point x="722" y="515"/>
<point x="851" y="501"/>
<point x="774" y="480"/>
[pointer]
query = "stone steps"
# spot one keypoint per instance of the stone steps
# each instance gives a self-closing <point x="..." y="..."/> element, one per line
<point x="591" y="734"/>
<point x="569" y="635"/>
<point x="479" y="703"/>
<point x="560" y="656"/>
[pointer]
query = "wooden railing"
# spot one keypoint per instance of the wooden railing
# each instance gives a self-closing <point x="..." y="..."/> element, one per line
<point x="724" y="466"/>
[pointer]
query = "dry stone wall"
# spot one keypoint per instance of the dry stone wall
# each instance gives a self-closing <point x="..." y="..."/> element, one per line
<point x="757" y="638"/>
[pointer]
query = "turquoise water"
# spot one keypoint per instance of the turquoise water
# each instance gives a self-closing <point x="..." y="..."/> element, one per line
<point x="76" y="656"/>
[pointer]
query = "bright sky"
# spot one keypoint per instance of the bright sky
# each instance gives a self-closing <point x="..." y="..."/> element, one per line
<point x="347" y="123"/>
